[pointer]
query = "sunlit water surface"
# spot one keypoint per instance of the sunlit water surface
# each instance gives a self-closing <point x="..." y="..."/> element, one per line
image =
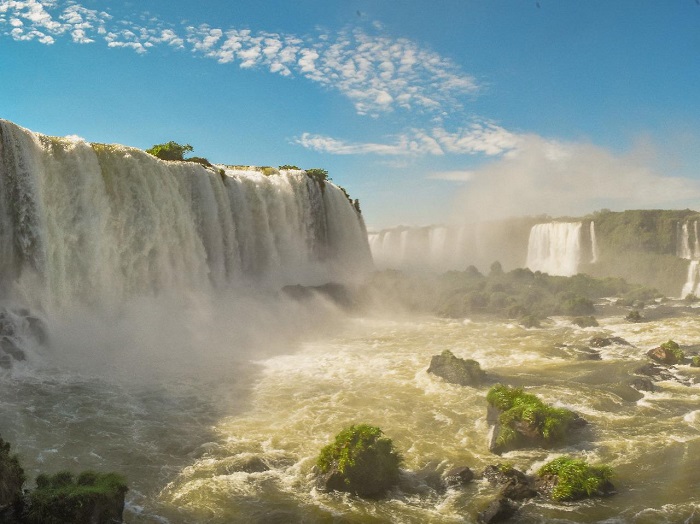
<point x="240" y="447"/>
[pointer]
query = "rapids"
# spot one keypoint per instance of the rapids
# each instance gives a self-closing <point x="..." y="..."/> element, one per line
<point x="187" y="446"/>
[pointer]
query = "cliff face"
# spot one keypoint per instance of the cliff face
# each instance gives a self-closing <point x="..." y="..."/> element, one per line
<point x="642" y="246"/>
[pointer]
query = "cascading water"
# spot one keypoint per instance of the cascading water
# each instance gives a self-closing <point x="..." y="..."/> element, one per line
<point x="594" y="244"/>
<point x="82" y="223"/>
<point x="688" y="247"/>
<point x="555" y="248"/>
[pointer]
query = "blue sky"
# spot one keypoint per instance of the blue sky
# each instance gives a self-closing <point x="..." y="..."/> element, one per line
<point x="426" y="111"/>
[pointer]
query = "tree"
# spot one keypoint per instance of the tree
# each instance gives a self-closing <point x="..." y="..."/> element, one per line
<point x="170" y="151"/>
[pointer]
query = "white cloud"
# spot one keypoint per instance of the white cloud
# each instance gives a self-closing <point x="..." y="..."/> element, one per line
<point x="452" y="176"/>
<point x="479" y="138"/>
<point x="325" y="144"/>
<point x="378" y="74"/>
<point x="487" y="138"/>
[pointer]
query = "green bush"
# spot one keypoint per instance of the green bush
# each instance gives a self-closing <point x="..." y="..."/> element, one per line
<point x="320" y="176"/>
<point x="364" y="460"/>
<point x="199" y="160"/>
<point x="551" y="424"/>
<point x="288" y="166"/>
<point x="170" y="151"/>
<point x="576" y="478"/>
<point x="93" y="497"/>
<point x="11" y="475"/>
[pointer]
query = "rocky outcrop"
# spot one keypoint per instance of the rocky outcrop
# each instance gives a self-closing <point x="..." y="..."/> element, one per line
<point x="361" y="461"/>
<point x="521" y="420"/>
<point x="668" y="353"/>
<point x="601" y="342"/>
<point x="567" y="479"/>
<point x="455" y="370"/>
<point x="457" y="477"/>
<point x="512" y="483"/>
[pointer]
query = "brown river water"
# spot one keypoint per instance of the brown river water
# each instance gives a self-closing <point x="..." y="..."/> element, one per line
<point x="239" y="446"/>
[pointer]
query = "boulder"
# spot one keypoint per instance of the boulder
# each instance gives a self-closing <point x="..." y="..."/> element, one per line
<point x="585" y="321"/>
<point x="498" y="510"/>
<point x="360" y="460"/>
<point x="512" y="483"/>
<point x="566" y="479"/>
<point x="634" y="317"/>
<point x="667" y="353"/>
<point x="642" y="384"/>
<point x="457" y="477"/>
<point x="601" y="342"/>
<point x="456" y="370"/>
<point x="521" y="420"/>
<point x="654" y="371"/>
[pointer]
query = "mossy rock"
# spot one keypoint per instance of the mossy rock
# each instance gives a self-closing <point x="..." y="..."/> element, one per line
<point x="695" y="361"/>
<point x="634" y="316"/>
<point x="361" y="460"/>
<point x="456" y="370"/>
<point x="667" y="353"/>
<point x="585" y="321"/>
<point x="91" y="498"/>
<point x="523" y="420"/>
<point x="566" y="478"/>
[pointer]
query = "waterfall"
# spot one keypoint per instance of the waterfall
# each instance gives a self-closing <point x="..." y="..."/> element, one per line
<point x="594" y="244"/>
<point x="692" y="281"/>
<point x="555" y="248"/>
<point x="88" y="223"/>
<point x="429" y="247"/>
<point x="683" y="250"/>
<point x="688" y="247"/>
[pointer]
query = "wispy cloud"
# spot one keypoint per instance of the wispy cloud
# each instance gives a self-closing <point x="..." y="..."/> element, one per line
<point x="377" y="73"/>
<point x="478" y="138"/>
<point x="452" y="176"/>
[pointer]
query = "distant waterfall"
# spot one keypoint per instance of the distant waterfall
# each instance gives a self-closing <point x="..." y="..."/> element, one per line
<point x="91" y="223"/>
<point x="692" y="281"/>
<point x="688" y="247"/>
<point x="555" y="248"/>
<point x="432" y="247"/>
<point x="594" y="244"/>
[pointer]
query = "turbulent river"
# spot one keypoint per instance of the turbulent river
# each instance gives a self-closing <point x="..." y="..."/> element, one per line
<point x="240" y="444"/>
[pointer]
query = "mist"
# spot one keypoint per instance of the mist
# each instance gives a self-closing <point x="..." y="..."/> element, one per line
<point x="557" y="178"/>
